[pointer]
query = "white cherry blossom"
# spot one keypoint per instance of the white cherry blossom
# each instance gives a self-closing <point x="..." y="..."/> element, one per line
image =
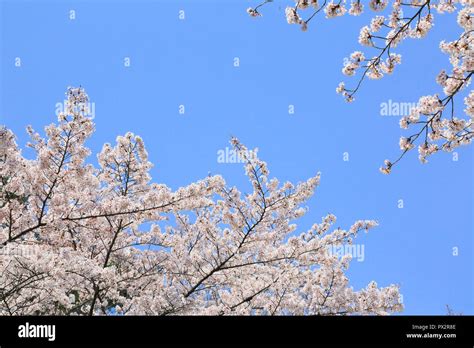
<point x="78" y="239"/>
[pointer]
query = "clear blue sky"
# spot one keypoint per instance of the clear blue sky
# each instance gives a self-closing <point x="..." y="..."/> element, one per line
<point x="190" y="62"/>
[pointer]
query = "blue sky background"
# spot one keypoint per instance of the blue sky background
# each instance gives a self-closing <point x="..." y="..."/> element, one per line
<point x="190" y="62"/>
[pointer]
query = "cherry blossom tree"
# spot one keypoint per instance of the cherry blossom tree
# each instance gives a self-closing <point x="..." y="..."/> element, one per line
<point x="84" y="239"/>
<point x="437" y="124"/>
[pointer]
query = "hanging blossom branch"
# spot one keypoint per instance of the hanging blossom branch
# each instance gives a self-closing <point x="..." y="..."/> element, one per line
<point x="78" y="239"/>
<point x="253" y="11"/>
<point x="410" y="19"/>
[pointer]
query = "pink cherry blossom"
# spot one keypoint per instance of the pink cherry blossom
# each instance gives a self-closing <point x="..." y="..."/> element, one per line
<point x="78" y="239"/>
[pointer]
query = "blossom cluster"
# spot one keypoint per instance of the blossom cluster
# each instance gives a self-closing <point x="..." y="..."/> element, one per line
<point x="440" y="127"/>
<point x="79" y="239"/>
<point x="395" y="22"/>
